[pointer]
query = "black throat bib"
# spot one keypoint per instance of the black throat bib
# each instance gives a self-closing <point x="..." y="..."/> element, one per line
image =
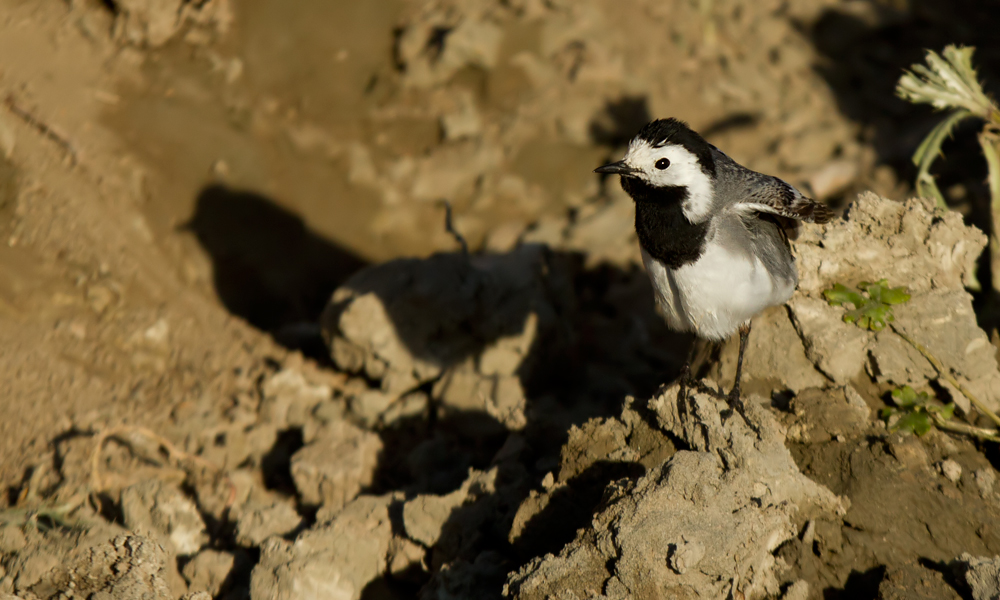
<point x="664" y="232"/>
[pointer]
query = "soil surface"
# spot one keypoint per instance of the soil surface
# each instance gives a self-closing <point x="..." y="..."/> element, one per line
<point x="245" y="354"/>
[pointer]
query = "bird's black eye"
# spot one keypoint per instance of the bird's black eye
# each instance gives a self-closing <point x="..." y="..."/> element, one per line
<point x="662" y="164"/>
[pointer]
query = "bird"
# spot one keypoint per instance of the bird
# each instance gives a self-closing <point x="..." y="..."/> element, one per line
<point x="712" y="234"/>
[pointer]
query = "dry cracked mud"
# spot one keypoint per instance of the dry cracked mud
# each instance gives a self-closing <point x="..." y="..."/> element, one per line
<point x="243" y="356"/>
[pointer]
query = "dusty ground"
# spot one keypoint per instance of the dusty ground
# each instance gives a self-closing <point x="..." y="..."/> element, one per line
<point x="184" y="185"/>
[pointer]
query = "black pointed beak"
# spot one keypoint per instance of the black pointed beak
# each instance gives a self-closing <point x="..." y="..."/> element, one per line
<point x="615" y="168"/>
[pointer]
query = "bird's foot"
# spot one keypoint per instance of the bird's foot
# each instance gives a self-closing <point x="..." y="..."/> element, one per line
<point x="733" y="398"/>
<point x="737" y="405"/>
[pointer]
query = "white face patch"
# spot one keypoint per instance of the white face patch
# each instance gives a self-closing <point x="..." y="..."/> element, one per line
<point x="684" y="170"/>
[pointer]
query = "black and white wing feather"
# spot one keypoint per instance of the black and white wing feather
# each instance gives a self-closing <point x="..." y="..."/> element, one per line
<point x="772" y="195"/>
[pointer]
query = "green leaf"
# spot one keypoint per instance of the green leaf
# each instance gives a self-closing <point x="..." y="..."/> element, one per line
<point x="917" y="422"/>
<point x="897" y="295"/>
<point x="872" y="309"/>
<point x="929" y="150"/>
<point x="947" y="81"/>
<point x="904" y="397"/>
<point x="945" y="412"/>
<point x="948" y="411"/>
<point x="840" y="294"/>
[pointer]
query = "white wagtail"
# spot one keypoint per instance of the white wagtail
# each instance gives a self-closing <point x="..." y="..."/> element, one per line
<point x="715" y="252"/>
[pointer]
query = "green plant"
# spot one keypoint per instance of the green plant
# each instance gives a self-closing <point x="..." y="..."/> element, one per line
<point x="915" y="412"/>
<point x="949" y="82"/>
<point x="872" y="303"/>
<point x="873" y="310"/>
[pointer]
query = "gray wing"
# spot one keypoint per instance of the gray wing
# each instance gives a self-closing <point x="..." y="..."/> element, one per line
<point x="753" y="191"/>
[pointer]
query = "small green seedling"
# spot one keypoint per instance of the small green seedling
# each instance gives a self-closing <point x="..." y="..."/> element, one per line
<point x="915" y="412"/>
<point x="872" y="303"/>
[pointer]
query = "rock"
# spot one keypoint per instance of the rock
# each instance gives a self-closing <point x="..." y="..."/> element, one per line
<point x="464" y="121"/>
<point x="837" y="349"/>
<point x="36" y="570"/>
<point x="155" y="22"/>
<point x="985" y="479"/>
<point x="913" y="581"/>
<point x="256" y="525"/>
<point x="209" y="570"/>
<point x="951" y="470"/>
<point x="11" y="539"/>
<point x="725" y="504"/>
<point x="461" y="579"/>
<point x="607" y="235"/>
<point x="412" y="405"/>
<point x="128" y="567"/>
<point x="333" y="468"/>
<point x="289" y="398"/>
<point x="331" y="560"/>
<point x="8" y="139"/>
<point x="163" y="513"/>
<point x="981" y="574"/>
<point x="797" y="591"/>
<point x="472" y="40"/>
<point x="425" y="516"/>
<point x="148" y="21"/>
<point x="485" y="405"/>
<point x="824" y="415"/>
<point x="406" y="559"/>
<point x="775" y="354"/>
<point x="832" y="178"/>
<point x="913" y="244"/>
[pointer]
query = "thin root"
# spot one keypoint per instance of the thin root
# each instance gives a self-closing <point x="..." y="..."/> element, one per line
<point x="175" y="456"/>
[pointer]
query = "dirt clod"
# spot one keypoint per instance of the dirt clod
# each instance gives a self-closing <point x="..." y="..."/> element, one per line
<point x="654" y="533"/>
<point x="982" y="575"/>
<point x="333" y="484"/>
<point x="333" y="559"/>
<point x="256" y="525"/>
<point x="161" y="512"/>
<point x="224" y="263"/>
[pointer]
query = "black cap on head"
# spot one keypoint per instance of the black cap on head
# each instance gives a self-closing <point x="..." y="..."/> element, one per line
<point x="672" y="131"/>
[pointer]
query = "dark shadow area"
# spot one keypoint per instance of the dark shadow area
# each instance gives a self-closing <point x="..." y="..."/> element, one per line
<point x="598" y="339"/>
<point x="620" y="121"/>
<point x="269" y="268"/>
<point x="277" y="463"/>
<point x="866" y="51"/>
<point x="571" y="508"/>
<point x="953" y="574"/>
<point x="859" y="586"/>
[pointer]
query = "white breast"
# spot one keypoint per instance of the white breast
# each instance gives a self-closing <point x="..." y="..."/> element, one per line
<point x="714" y="295"/>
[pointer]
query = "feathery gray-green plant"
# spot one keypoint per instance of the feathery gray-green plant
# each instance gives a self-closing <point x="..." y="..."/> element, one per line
<point x="949" y="82"/>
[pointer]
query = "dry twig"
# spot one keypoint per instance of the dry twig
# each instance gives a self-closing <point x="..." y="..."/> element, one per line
<point x="42" y="127"/>
<point x="944" y="374"/>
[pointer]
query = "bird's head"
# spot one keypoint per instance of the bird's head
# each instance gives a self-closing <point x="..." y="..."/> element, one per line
<point x="667" y="155"/>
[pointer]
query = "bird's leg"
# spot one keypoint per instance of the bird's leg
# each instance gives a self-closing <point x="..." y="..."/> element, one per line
<point x="734" y="394"/>
<point x="735" y="401"/>
<point x="685" y="380"/>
